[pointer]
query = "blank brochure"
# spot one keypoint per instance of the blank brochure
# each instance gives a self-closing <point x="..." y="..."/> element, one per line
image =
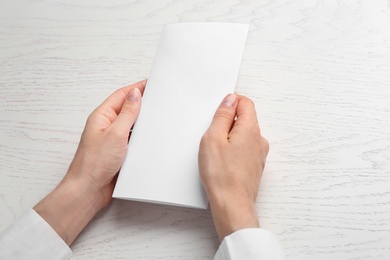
<point x="195" y="67"/>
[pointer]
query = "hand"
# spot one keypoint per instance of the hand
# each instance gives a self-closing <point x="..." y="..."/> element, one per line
<point x="103" y="144"/>
<point x="232" y="156"/>
<point x="88" y="185"/>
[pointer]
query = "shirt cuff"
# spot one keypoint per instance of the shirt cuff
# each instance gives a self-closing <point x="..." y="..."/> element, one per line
<point x="250" y="244"/>
<point x="31" y="237"/>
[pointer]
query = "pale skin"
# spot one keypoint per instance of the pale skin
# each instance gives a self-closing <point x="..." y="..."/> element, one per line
<point x="231" y="161"/>
<point x="232" y="155"/>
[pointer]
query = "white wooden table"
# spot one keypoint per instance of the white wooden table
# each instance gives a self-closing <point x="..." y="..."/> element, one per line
<point x="318" y="71"/>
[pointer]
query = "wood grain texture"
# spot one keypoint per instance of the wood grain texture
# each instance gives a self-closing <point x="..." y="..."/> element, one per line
<point x="318" y="71"/>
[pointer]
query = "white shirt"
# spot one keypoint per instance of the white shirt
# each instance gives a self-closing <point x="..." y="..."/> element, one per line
<point x="30" y="237"/>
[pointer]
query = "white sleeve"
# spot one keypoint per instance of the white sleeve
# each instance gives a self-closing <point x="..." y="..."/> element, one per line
<point x="250" y="244"/>
<point x="31" y="237"/>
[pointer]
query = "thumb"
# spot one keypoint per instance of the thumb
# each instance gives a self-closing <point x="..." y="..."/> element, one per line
<point x="129" y="111"/>
<point x="224" y="116"/>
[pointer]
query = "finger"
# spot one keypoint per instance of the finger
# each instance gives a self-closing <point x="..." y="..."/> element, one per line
<point x="246" y="115"/>
<point x="224" y="116"/>
<point x="129" y="111"/>
<point x="265" y="144"/>
<point x="116" y="99"/>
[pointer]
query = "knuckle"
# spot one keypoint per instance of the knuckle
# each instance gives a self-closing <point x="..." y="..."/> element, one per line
<point x="210" y="138"/>
<point x="248" y="102"/>
<point x="118" y="134"/>
<point x="129" y="111"/>
<point x="265" y="144"/>
<point x="92" y="117"/>
<point x="102" y="111"/>
<point x="224" y="114"/>
<point x="207" y="137"/>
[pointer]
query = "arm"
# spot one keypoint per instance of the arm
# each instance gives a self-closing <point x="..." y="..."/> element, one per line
<point x="85" y="189"/>
<point x="231" y="160"/>
<point x="232" y="156"/>
<point x="88" y="185"/>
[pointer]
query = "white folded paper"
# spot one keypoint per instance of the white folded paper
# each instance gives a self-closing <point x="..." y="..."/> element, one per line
<point x="195" y="67"/>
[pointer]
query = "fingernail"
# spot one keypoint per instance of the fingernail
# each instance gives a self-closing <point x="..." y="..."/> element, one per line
<point x="134" y="95"/>
<point x="229" y="101"/>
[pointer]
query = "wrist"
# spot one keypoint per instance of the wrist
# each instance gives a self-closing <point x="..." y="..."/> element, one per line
<point x="84" y="191"/>
<point x="233" y="214"/>
<point x="70" y="207"/>
<point x="87" y="173"/>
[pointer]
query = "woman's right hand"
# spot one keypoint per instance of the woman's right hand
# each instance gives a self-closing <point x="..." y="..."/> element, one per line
<point x="232" y="156"/>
